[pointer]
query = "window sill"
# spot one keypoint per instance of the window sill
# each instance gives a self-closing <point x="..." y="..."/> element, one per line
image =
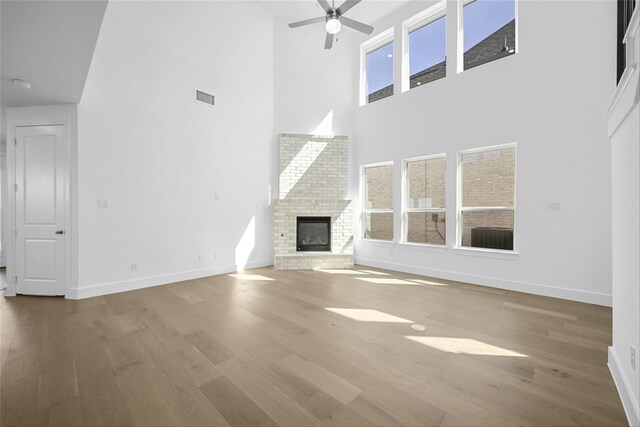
<point x="423" y="246"/>
<point x="377" y="242"/>
<point x="488" y="253"/>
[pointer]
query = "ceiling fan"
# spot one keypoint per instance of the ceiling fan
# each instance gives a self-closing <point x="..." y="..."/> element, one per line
<point x="334" y="20"/>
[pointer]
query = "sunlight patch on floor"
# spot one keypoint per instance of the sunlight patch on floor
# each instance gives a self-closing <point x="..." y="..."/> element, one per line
<point x="250" y="277"/>
<point x="428" y="282"/>
<point x="367" y="315"/>
<point x="378" y="273"/>
<point x="464" y="346"/>
<point x="348" y="272"/>
<point x="387" y="281"/>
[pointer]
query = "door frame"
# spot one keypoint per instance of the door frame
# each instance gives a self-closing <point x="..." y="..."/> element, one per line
<point x="64" y="115"/>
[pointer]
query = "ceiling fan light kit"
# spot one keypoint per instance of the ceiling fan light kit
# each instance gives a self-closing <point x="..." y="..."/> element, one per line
<point x="333" y="25"/>
<point x="334" y="20"/>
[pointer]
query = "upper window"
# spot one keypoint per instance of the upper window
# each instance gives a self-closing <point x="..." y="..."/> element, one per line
<point x="486" y="206"/>
<point x="489" y="31"/>
<point x="378" y="202"/>
<point x="377" y="68"/>
<point x="425" y="47"/>
<point x="424" y="204"/>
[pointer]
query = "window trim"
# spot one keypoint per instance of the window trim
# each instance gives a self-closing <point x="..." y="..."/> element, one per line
<point x="368" y="46"/>
<point x="460" y="208"/>
<point x="417" y="21"/>
<point x="364" y="210"/>
<point x="406" y="210"/>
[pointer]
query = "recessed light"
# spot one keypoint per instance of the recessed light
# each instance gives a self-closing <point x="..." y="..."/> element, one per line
<point x="389" y="56"/>
<point x="511" y="50"/>
<point x="418" y="84"/>
<point x="21" y="84"/>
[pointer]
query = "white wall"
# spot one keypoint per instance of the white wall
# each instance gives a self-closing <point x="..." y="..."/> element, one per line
<point x="313" y="87"/>
<point x="312" y="82"/>
<point x="3" y="183"/>
<point x="624" y="131"/>
<point x="159" y="157"/>
<point x="626" y="253"/>
<point x="549" y="98"/>
<point x="3" y="130"/>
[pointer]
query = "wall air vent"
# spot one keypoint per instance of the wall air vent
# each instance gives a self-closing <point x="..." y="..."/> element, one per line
<point x="205" y="97"/>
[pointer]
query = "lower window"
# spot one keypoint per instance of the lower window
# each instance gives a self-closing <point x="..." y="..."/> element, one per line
<point x="486" y="186"/>
<point x="377" y="201"/>
<point x="424" y="200"/>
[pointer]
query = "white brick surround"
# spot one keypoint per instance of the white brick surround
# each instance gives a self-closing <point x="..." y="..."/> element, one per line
<point x="313" y="174"/>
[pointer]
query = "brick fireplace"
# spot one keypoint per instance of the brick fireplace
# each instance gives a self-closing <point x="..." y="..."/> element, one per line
<point x="312" y="184"/>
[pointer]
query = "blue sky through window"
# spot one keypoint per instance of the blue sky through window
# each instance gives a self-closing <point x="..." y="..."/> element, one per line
<point x="379" y="68"/>
<point x="483" y="17"/>
<point x="427" y="45"/>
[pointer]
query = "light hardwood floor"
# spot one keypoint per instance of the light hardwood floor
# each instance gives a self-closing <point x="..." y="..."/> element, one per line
<point x="297" y="348"/>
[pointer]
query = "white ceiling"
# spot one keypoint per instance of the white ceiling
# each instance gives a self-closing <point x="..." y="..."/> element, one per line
<point x="367" y="11"/>
<point x="49" y="44"/>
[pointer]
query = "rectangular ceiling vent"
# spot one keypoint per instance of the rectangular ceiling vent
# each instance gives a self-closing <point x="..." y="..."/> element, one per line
<point x="205" y="97"/>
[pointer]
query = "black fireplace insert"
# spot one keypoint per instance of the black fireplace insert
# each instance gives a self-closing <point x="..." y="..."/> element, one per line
<point x="314" y="234"/>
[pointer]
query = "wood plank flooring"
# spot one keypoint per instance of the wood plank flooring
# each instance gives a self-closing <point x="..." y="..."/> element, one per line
<point x="307" y="348"/>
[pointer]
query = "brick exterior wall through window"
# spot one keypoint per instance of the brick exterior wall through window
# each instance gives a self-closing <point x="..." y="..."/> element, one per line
<point x="378" y="195"/>
<point x="426" y="189"/>
<point x="488" y="180"/>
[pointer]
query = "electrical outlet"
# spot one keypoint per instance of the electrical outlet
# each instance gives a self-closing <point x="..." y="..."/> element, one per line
<point x="201" y="258"/>
<point x="633" y="356"/>
<point x="134" y="265"/>
<point x="215" y="256"/>
<point x="434" y="217"/>
<point x="553" y="206"/>
<point x="216" y="196"/>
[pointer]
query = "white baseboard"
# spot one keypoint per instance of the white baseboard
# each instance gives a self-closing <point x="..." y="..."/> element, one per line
<point x="629" y="402"/>
<point x="147" y="282"/>
<point x="512" y="285"/>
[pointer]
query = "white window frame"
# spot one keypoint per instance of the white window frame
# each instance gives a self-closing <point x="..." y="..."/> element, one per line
<point x="370" y="45"/>
<point x="417" y="21"/>
<point x="460" y="41"/>
<point x="363" y="198"/>
<point x="460" y="209"/>
<point x="405" y="194"/>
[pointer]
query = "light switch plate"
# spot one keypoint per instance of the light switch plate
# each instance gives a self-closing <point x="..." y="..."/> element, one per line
<point x="553" y="206"/>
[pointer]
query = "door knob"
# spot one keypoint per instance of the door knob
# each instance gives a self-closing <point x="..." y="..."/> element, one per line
<point x="59" y="231"/>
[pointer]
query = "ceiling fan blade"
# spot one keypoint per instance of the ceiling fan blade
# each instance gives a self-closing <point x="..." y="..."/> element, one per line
<point x="328" y="41"/>
<point x="325" y="5"/>
<point x="356" y="25"/>
<point x="307" y="22"/>
<point x="348" y="4"/>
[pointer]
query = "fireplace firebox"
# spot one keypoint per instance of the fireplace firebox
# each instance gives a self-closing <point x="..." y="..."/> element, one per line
<point x="313" y="233"/>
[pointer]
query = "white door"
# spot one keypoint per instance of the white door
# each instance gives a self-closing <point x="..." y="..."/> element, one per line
<point x="40" y="213"/>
